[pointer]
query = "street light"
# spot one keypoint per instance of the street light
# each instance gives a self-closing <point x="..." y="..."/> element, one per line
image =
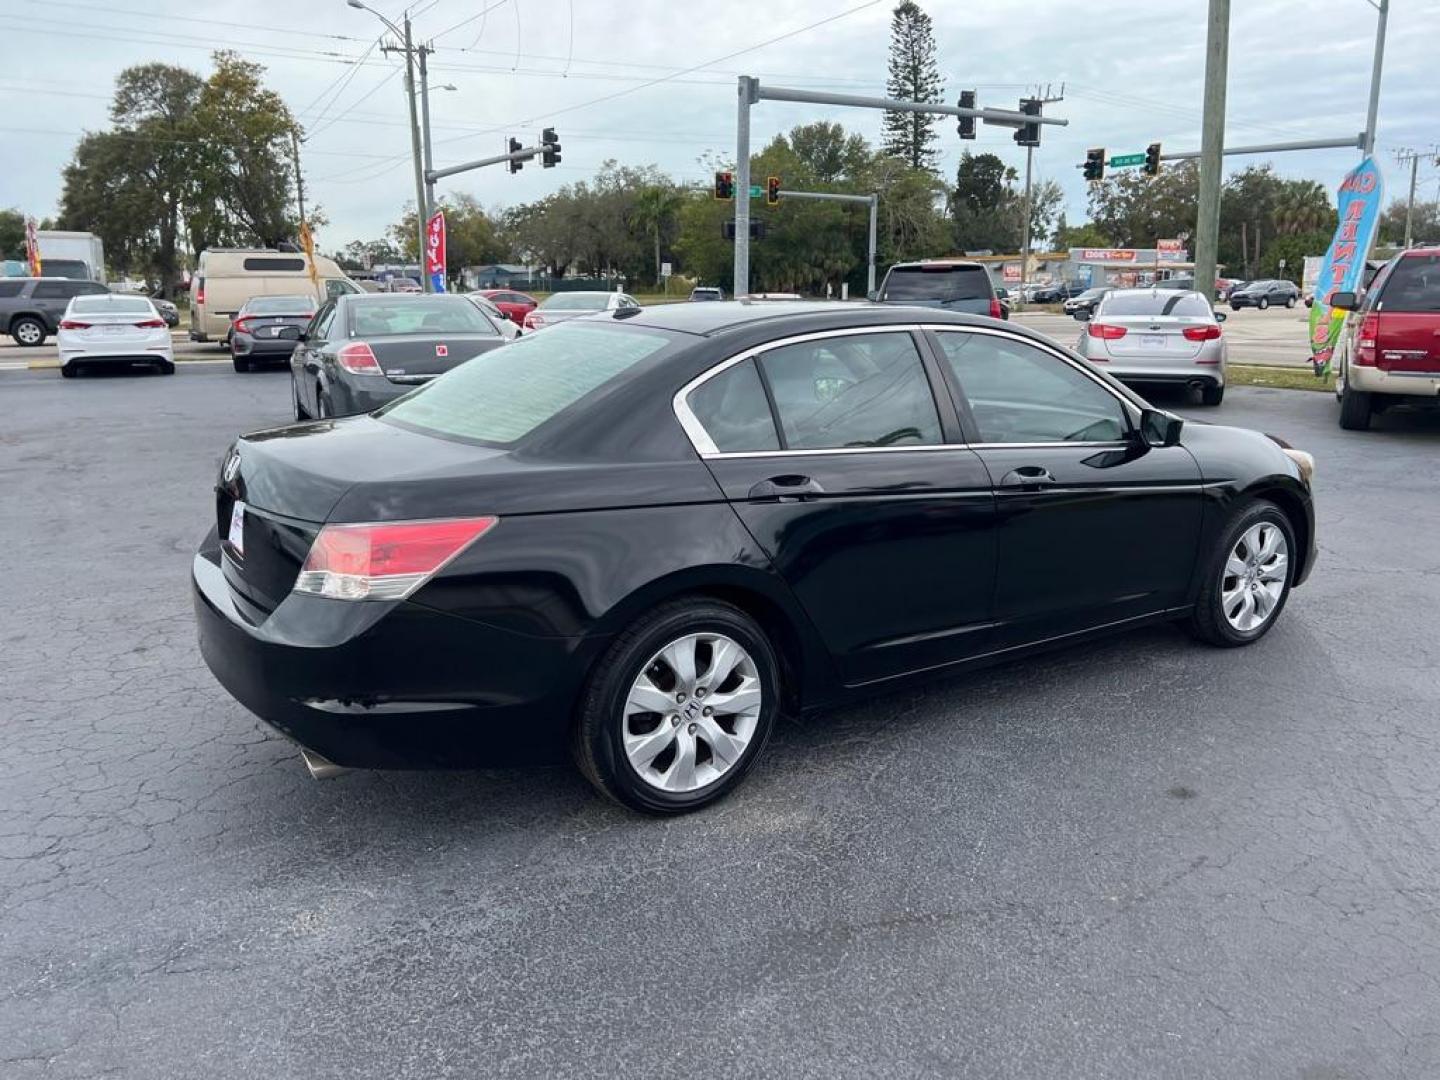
<point x="422" y="204"/>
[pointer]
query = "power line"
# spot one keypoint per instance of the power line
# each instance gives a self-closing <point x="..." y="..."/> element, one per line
<point x="166" y="16"/>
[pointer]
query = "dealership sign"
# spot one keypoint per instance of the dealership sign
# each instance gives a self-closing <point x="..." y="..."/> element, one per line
<point x="1106" y="255"/>
<point x="435" y="250"/>
<point x="1343" y="268"/>
<point x="1011" y="272"/>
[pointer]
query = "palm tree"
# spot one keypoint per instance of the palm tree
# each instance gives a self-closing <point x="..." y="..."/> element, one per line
<point x="652" y="210"/>
<point x="1302" y="206"/>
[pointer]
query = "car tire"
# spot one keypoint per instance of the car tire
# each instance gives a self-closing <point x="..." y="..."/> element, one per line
<point x="1220" y="614"/>
<point x="69" y="371"/>
<point x="1212" y="395"/>
<point x="239" y="363"/>
<point x="693" y="770"/>
<point x="165" y="367"/>
<point x="1263" y="303"/>
<point x="1234" y="306"/>
<point x="1355" y="409"/>
<point x="1290" y="302"/>
<point x="28" y="332"/>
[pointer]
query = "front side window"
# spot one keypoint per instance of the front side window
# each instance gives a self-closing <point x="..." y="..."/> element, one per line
<point x="319" y="328"/>
<point x="338" y="287"/>
<point x="732" y="409"/>
<point x="1021" y="394"/>
<point x="859" y="390"/>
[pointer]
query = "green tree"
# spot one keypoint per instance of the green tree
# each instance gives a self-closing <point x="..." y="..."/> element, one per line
<point x="828" y="153"/>
<point x="914" y="76"/>
<point x="1301" y="206"/>
<point x="1084" y="235"/>
<point x="653" y="212"/>
<point x="985" y="207"/>
<point x="1135" y="210"/>
<point x="1424" y="226"/>
<point x="12" y="234"/>
<point x="472" y="237"/>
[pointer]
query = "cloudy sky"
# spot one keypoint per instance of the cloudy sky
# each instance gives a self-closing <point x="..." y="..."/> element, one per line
<point x="653" y="82"/>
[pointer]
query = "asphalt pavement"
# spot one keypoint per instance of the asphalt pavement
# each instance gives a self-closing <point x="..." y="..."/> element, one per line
<point x="1140" y="858"/>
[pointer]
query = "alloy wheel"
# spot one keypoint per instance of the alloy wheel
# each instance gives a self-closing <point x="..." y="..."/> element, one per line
<point x="1256" y="573"/>
<point x="692" y="712"/>
<point x="29" y="334"/>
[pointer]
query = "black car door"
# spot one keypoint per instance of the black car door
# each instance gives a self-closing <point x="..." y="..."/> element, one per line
<point x="1093" y="526"/>
<point x="305" y="361"/>
<point x="833" y="451"/>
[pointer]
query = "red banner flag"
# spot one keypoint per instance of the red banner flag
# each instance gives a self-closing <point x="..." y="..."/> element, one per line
<point x="435" y="250"/>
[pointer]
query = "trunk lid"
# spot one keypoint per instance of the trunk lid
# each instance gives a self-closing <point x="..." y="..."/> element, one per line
<point x="267" y="327"/>
<point x="1408" y="341"/>
<point x="1160" y="337"/>
<point x="415" y="358"/>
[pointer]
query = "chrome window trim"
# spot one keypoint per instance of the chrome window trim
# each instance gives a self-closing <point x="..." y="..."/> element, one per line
<point x="706" y="448"/>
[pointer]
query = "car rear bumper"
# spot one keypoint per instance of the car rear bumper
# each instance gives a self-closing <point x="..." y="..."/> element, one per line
<point x="276" y="348"/>
<point x="388" y="685"/>
<point x="130" y="352"/>
<point x="1373" y="380"/>
<point x="1171" y="372"/>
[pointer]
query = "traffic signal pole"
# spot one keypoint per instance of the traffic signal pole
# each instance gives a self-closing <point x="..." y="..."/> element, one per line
<point x="750" y="92"/>
<point x="872" y="201"/>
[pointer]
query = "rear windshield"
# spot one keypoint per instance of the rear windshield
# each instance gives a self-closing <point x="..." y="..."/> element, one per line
<point x="577" y="301"/>
<point x="1161" y="303"/>
<point x="503" y="395"/>
<point x="943" y="283"/>
<point x="100" y="305"/>
<point x="418" y="315"/>
<point x="281" y="305"/>
<point x="1414" y="285"/>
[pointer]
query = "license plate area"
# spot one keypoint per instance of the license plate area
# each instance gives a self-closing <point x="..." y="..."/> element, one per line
<point x="1152" y="341"/>
<point x="235" y="536"/>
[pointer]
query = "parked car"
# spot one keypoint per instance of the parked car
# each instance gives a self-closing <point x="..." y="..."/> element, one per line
<point x="514" y="305"/>
<point x="31" y="308"/>
<point x="706" y="292"/>
<point x="1184" y="283"/>
<point x="1263" y="294"/>
<point x="508" y="330"/>
<point x="1389" y="352"/>
<point x="168" y="311"/>
<point x="113" y="331"/>
<point x="363" y="350"/>
<point x="227" y="277"/>
<point x="1157" y="336"/>
<point x="268" y="328"/>
<point x="403" y="285"/>
<point x="941" y="283"/>
<point x="1086" y="300"/>
<point x="564" y="306"/>
<point x="644" y="536"/>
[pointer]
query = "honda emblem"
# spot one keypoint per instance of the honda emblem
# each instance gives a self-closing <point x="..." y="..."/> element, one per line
<point x="442" y="350"/>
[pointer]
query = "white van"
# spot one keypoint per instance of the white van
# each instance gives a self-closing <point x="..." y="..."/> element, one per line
<point x="227" y="277"/>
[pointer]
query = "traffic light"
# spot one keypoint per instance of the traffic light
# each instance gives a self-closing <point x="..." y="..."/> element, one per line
<point x="772" y="191"/>
<point x="1152" y="160"/>
<point x="725" y="186"/>
<point x="514" y="147"/>
<point x="550" y="155"/>
<point x="966" y="126"/>
<point x="1095" y="164"/>
<point x="1028" y="134"/>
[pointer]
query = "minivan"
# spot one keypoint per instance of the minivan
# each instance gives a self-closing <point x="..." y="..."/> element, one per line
<point x="227" y="277"/>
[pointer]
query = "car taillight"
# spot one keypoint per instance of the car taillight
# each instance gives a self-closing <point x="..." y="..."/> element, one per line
<point x="533" y="321"/>
<point x="358" y="359"/>
<point x="1365" y="340"/>
<point x="73" y="324"/>
<point x="151" y="324"/>
<point x="995" y="312"/>
<point x="384" y="561"/>
<point x="1105" y="331"/>
<point x="200" y="295"/>
<point x="1201" y="333"/>
<point x="241" y="324"/>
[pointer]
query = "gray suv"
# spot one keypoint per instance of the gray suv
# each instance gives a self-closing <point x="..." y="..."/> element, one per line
<point x="30" y="308"/>
<point x="942" y="283"/>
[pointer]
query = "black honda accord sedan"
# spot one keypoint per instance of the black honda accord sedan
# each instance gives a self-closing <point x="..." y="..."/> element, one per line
<point x="645" y="535"/>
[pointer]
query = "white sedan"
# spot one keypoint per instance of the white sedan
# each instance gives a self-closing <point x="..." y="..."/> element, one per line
<point x="111" y="329"/>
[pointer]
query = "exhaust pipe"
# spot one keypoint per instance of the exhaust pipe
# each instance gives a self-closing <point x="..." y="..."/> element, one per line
<point x="321" y="768"/>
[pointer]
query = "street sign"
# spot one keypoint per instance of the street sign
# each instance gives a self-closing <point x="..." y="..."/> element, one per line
<point x="756" y="191"/>
<point x="1126" y="159"/>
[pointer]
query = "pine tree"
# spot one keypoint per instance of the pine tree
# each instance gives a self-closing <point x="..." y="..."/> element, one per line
<point x="914" y="76"/>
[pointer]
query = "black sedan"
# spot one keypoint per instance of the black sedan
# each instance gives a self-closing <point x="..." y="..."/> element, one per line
<point x="362" y="350"/>
<point x="266" y="328"/>
<point x="643" y="536"/>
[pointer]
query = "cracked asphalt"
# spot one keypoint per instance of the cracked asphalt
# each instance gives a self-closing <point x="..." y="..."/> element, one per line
<point x="1139" y="858"/>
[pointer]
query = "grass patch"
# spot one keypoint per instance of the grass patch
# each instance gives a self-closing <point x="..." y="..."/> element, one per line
<point x="1285" y="378"/>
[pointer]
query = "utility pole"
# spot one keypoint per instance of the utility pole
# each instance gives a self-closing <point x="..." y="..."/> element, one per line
<point x="300" y="180"/>
<point x="1371" y="115"/>
<point x="1048" y="99"/>
<point x="421" y="206"/>
<point x="425" y="126"/>
<point x="1212" y="147"/>
<point x="1414" y="157"/>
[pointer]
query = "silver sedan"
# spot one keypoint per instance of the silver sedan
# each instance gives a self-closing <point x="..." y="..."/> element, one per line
<point x="1157" y="336"/>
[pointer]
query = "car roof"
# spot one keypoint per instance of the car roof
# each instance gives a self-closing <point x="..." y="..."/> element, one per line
<point x="707" y="320"/>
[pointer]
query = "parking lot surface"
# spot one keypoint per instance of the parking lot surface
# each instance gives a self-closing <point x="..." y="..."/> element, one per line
<point x="1139" y="858"/>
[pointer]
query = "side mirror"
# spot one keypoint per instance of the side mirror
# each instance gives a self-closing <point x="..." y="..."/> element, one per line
<point x="302" y="336"/>
<point x="1160" y="428"/>
<point x="1345" y="301"/>
<point x="1220" y="316"/>
<point x="1082" y="315"/>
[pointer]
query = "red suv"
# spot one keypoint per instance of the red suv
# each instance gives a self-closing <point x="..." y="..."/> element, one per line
<point x="513" y="305"/>
<point x="1390" y="351"/>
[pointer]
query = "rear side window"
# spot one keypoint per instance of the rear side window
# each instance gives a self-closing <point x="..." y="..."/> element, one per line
<point x="855" y="391"/>
<point x="1413" y="285"/>
<point x="262" y="264"/>
<point x="55" y="290"/>
<point x="10" y="288"/>
<point x="732" y="409"/>
<point x="937" y="283"/>
<point x="501" y="396"/>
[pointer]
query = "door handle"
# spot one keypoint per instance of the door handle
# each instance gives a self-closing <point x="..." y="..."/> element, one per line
<point x="788" y="488"/>
<point x="1027" y="476"/>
